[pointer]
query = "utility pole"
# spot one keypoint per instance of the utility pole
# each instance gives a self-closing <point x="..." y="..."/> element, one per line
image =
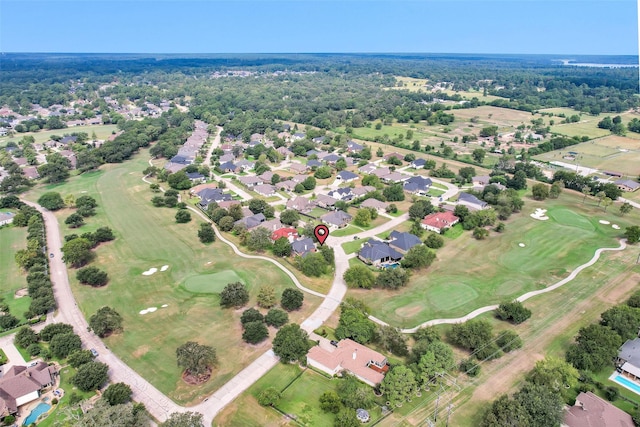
<point x="448" y="413"/>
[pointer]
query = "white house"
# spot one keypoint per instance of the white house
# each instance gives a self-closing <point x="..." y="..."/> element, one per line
<point x="6" y="218"/>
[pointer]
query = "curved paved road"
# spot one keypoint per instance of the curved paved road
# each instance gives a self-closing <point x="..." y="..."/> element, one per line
<point x="522" y="298"/>
<point x="158" y="405"/>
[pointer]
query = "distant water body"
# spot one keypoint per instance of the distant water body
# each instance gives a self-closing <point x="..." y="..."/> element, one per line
<point x="569" y="62"/>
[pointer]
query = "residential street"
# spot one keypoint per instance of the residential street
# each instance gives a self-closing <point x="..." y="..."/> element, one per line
<point x="157" y="403"/>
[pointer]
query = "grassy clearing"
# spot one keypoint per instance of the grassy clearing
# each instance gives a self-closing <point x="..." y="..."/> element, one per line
<point x="102" y="132"/>
<point x="469" y="273"/>
<point x="616" y="153"/>
<point x="149" y="237"/>
<point x="12" y="278"/>
<point x="501" y="117"/>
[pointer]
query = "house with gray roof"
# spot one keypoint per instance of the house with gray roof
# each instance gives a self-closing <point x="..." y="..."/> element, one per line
<point x="251" y="221"/>
<point x="229" y="167"/>
<point x="418" y="163"/>
<point x="341" y="194"/>
<point x="209" y="195"/>
<point x="303" y="246"/>
<point x="627" y="185"/>
<point x="336" y="219"/>
<point x="245" y="165"/>
<point x="195" y="177"/>
<point x="313" y="163"/>
<point x="628" y="360"/>
<point x="402" y="242"/>
<point x="376" y="252"/>
<point x="354" y="147"/>
<point x="417" y="185"/>
<point x="472" y="202"/>
<point x="331" y="159"/>
<point x="346" y="176"/>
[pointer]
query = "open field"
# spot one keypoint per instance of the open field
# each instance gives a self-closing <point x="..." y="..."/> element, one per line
<point x="588" y="126"/>
<point x="501" y="117"/>
<point x="12" y="278"/>
<point x="470" y="94"/>
<point x="563" y="110"/>
<point x="102" y="132"/>
<point x="614" y="153"/>
<point x="469" y="274"/>
<point x="149" y="237"/>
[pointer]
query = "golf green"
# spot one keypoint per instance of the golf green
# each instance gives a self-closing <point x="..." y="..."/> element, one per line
<point x="211" y="283"/>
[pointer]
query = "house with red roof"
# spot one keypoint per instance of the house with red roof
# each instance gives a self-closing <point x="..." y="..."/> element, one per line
<point x="366" y="364"/>
<point x="288" y="233"/>
<point x="439" y="221"/>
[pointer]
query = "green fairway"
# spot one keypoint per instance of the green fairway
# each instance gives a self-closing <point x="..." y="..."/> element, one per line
<point x="148" y="237"/>
<point x="12" y="278"/>
<point x="211" y="283"/>
<point x="102" y="132"/>
<point x="469" y="274"/>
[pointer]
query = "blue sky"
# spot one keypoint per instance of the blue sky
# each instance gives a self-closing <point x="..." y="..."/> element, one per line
<point x="451" y="26"/>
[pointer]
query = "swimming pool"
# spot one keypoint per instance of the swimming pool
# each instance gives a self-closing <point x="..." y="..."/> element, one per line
<point x="627" y="383"/>
<point x="37" y="411"/>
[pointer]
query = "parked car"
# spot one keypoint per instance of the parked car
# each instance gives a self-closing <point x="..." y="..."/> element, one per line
<point x="94" y="352"/>
<point x="51" y="255"/>
<point x="334" y="343"/>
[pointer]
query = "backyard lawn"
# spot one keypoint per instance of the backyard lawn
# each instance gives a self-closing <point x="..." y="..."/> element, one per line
<point x="148" y="237"/>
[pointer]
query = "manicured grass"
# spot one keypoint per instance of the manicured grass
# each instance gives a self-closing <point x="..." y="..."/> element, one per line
<point x="454" y="232"/>
<point x="102" y="132"/>
<point x="347" y="231"/>
<point x="149" y="237"/>
<point x="301" y="399"/>
<point x="317" y="212"/>
<point x="12" y="277"/>
<point x="469" y="274"/>
<point x="351" y="247"/>
<point x="556" y="319"/>
<point x="211" y="283"/>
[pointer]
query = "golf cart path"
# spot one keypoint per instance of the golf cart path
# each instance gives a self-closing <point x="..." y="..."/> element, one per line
<point x="522" y="298"/>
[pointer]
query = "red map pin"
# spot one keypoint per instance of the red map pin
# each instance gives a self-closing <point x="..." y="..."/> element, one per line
<point x="322" y="232"/>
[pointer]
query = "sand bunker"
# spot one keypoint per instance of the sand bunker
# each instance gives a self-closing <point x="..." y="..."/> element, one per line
<point x="149" y="272"/>
<point x="522" y="245"/>
<point x="602" y="221"/>
<point x="148" y="310"/>
<point x="615" y="226"/>
<point x="165" y="305"/>
<point x="539" y="214"/>
<point x="164" y="268"/>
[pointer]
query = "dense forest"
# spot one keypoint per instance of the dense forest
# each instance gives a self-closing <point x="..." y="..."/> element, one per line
<point x="321" y="90"/>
